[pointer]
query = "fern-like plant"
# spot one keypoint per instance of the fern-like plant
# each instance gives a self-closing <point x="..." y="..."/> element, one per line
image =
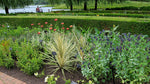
<point x="60" y="52"/>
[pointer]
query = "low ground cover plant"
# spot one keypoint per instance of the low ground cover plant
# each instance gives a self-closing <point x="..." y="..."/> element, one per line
<point x="99" y="55"/>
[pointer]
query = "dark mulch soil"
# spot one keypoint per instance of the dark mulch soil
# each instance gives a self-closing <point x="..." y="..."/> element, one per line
<point x="16" y="73"/>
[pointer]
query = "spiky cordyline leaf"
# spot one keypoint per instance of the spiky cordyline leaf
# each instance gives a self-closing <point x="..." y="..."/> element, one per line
<point x="65" y="49"/>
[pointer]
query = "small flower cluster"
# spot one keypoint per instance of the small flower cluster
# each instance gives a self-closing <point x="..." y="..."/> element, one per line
<point x="53" y="27"/>
<point x="51" y="79"/>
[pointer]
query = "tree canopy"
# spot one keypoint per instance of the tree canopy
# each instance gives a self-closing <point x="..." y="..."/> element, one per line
<point x="6" y="4"/>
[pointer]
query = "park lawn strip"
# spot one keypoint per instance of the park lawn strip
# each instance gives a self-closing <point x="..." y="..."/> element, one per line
<point x="128" y="19"/>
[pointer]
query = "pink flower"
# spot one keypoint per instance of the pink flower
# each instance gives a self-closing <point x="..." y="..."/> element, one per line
<point x="50" y="28"/>
<point x="42" y="26"/>
<point x="46" y="22"/>
<point x="51" y="25"/>
<point x="70" y="26"/>
<point x="67" y="28"/>
<point x="39" y="33"/>
<point x="32" y="24"/>
<point x="55" y="19"/>
<point x="39" y="23"/>
<point x="54" y="29"/>
<point x="63" y="28"/>
<point x="62" y="23"/>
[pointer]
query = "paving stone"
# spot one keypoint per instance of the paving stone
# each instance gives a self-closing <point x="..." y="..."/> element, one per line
<point x="6" y="79"/>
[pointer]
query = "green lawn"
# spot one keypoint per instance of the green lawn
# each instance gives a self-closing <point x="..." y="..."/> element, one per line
<point x="128" y="19"/>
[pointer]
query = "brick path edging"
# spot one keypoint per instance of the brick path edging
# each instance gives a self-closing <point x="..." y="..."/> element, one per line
<point x="6" y="79"/>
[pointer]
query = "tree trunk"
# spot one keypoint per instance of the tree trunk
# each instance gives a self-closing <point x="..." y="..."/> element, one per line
<point x="85" y="5"/>
<point x="71" y="7"/>
<point x="6" y="10"/>
<point x="96" y="4"/>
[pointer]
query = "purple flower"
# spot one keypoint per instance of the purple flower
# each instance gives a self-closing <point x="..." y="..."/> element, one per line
<point x="120" y="36"/>
<point x="129" y="39"/>
<point x="135" y="35"/>
<point x="40" y="41"/>
<point x="147" y="57"/>
<point x="103" y="30"/>
<point x="83" y="62"/>
<point x="136" y="43"/>
<point x="10" y="49"/>
<point x="117" y="49"/>
<point x="88" y="64"/>
<point x="78" y="66"/>
<point x="100" y="33"/>
<point x="125" y="34"/>
<point x="107" y="38"/>
<point x="129" y="34"/>
<point x="138" y="38"/>
<point x="54" y="53"/>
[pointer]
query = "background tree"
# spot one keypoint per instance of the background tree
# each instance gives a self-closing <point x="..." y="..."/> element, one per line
<point x="38" y="2"/>
<point x="6" y="4"/>
<point x="107" y="1"/>
<point x="69" y="3"/>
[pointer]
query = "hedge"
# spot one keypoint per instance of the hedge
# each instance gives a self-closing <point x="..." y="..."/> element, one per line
<point x="132" y="25"/>
<point x="91" y="14"/>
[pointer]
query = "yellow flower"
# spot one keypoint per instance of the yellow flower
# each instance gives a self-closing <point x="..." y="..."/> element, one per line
<point x="36" y="74"/>
<point x="82" y="81"/>
<point x="55" y="78"/>
<point x="97" y="15"/>
<point x="90" y="82"/>
<point x="114" y="26"/>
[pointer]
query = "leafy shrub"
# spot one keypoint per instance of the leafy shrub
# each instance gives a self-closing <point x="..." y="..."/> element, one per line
<point x="29" y="60"/>
<point x="114" y="56"/>
<point x="6" y="59"/>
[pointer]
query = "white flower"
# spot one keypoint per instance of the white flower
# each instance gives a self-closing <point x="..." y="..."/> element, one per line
<point x="36" y="74"/>
<point x="55" y="78"/>
<point x="46" y="79"/>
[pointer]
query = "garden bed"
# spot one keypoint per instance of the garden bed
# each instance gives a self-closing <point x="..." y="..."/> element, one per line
<point x="67" y="53"/>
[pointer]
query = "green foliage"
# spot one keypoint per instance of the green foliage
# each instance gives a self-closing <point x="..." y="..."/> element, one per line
<point x="29" y="60"/>
<point x="114" y="56"/>
<point x="67" y="81"/>
<point x="40" y="74"/>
